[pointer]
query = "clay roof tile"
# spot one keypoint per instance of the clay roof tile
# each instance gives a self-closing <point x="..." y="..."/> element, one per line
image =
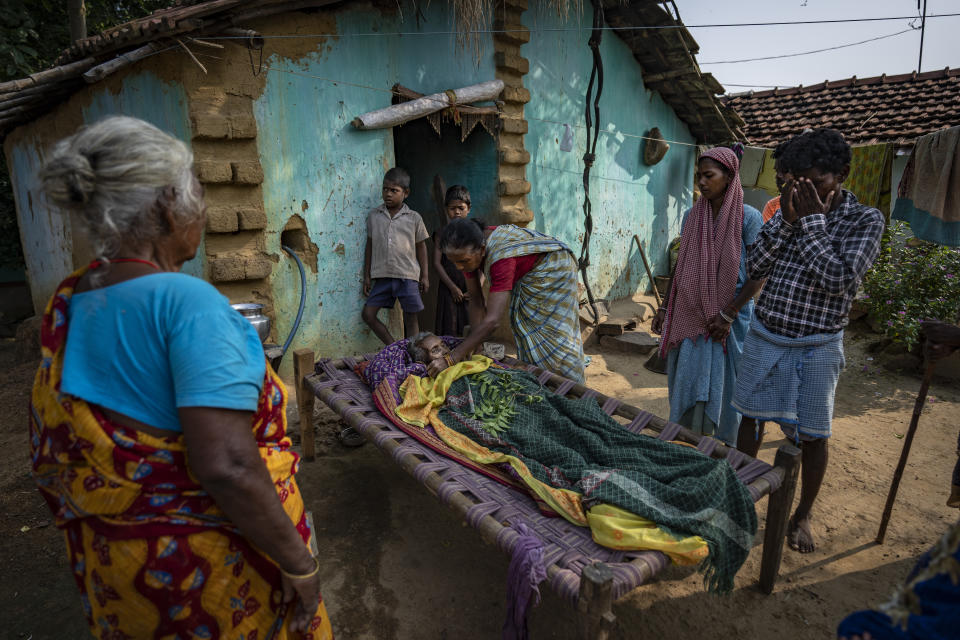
<point x="886" y="108"/>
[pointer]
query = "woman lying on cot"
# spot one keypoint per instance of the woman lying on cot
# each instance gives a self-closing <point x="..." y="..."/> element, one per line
<point x="632" y="491"/>
<point x="426" y="347"/>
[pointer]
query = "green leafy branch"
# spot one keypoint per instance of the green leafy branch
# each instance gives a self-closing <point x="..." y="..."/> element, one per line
<point x="499" y="392"/>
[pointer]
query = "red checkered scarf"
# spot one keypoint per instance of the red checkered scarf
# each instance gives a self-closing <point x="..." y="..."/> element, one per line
<point x="708" y="266"/>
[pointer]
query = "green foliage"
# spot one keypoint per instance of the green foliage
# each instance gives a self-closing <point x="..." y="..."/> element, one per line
<point x="33" y="33"/>
<point x="17" y="45"/>
<point x="11" y="255"/>
<point x="912" y="281"/>
<point x="498" y="395"/>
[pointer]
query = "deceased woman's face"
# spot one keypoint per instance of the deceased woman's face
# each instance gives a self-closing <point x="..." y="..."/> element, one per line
<point x="434" y="346"/>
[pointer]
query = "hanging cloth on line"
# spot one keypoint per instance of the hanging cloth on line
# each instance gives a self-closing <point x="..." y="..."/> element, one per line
<point x="750" y="166"/>
<point x="929" y="194"/>
<point x="870" y="174"/>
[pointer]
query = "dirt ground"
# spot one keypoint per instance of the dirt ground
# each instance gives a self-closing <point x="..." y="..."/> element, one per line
<point x="398" y="565"/>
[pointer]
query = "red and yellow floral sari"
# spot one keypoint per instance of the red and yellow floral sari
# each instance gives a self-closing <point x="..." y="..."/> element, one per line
<point x="152" y="554"/>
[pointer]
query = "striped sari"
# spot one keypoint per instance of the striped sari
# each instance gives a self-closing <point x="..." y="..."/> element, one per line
<point x="152" y="554"/>
<point x="544" y="303"/>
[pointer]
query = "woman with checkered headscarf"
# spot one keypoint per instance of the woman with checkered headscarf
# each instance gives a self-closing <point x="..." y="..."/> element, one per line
<point x="710" y="303"/>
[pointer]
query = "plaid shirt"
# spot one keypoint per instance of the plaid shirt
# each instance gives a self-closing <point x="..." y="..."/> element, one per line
<point x="813" y="267"/>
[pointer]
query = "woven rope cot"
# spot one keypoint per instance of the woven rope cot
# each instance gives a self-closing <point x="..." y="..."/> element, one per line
<point x="583" y="573"/>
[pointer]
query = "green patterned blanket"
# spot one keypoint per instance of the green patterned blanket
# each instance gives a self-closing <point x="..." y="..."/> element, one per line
<point x="572" y="444"/>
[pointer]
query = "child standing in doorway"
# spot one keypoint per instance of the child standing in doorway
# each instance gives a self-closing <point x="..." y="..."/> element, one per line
<point x="395" y="258"/>
<point x="452" y="296"/>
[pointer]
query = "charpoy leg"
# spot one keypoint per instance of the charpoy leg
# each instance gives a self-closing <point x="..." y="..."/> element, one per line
<point x="778" y="511"/>
<point x="595" y="604"/>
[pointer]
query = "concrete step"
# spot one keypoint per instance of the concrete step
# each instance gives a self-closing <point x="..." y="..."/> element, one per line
<point x="616" y="326"/>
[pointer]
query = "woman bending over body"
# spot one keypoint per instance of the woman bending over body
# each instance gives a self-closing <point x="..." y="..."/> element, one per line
<point x="532" y="274"/>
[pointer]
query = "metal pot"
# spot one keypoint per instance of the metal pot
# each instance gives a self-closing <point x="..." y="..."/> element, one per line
<point x="253" y="312"/>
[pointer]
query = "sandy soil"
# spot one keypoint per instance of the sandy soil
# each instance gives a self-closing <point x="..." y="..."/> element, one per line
<point x="398" y="565"/>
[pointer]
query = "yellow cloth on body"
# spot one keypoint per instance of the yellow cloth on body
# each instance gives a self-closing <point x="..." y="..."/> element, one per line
<point x="610" y="526"/>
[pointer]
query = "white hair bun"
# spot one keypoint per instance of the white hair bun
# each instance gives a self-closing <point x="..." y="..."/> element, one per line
<point x="69" y="178"/>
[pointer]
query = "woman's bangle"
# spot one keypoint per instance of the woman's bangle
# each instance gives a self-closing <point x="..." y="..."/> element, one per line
<point x="449" y="360"/>
<point x="728" y="319"/>
<point x="303" y="576"/>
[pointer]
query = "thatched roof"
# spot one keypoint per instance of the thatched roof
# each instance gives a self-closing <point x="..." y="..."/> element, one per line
<point x="668" y="59"/>
<point x="665" y="55"/>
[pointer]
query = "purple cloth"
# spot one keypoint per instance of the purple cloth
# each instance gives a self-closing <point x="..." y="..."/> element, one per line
<point x="525" y="573"/>
<point x="394" y="364"/>
<point x="386" y="290"/>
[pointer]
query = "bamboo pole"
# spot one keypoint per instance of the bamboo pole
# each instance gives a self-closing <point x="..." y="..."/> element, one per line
<point x="407" y="95"/>
<point x="43" y="91"/>
<point x="406" y="111"/>
<point x="101" y="71"/>
<point x="49" y="76"/>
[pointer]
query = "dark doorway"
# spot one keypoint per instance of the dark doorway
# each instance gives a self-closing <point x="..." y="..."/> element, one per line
<point x="472" y="162"/>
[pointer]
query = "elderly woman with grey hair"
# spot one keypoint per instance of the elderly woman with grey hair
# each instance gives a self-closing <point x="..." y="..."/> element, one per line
<point x="157" y="427"/>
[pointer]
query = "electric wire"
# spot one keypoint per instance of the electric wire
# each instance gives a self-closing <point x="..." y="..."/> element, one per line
<point x="581" y="29"/>
<point x="807" y="53"/>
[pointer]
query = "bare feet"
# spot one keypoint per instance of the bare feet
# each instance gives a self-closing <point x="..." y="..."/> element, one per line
<point x="799" y="536"/>
<point x="954" y="499"/>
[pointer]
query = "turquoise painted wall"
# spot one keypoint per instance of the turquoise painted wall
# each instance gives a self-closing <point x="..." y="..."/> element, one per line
<point x="144" y="95"/>
<point x="45" y="232"/>
<point x="310" y="152"/>
<point x="628" y="197"/>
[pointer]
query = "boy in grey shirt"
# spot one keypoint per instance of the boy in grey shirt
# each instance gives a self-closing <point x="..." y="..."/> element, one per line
<point x="395" y="258"/>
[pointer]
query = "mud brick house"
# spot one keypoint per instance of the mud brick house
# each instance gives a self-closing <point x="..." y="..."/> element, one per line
<point x="265" y="91"/>
<point x="892" y="109"/>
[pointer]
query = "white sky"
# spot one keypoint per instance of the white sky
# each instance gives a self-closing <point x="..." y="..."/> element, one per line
<point x="895" y="55"/>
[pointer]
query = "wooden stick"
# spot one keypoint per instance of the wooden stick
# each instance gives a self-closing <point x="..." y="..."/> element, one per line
<point x="215" y="45"/>
<point x="595" y="604"/>
<point x="185" y="48"/>
<point x="101" y="71"/>
<point x="646" y="265"/>
<point x="778" y="515"/>
<point x="898" y="474"/>
<point x="302" y="367"/>
<point x="49" y="76"/>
